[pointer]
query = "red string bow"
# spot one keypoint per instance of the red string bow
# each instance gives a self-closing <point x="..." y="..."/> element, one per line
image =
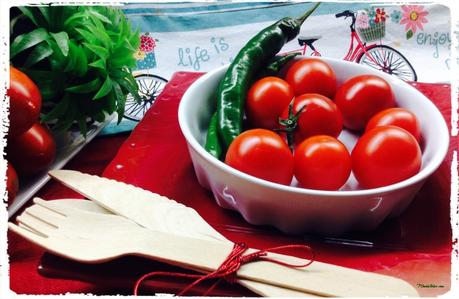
<point x="228" y="269"/>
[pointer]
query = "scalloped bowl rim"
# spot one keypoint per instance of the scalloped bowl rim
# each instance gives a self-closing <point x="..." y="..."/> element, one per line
<point x="423" y="174"/>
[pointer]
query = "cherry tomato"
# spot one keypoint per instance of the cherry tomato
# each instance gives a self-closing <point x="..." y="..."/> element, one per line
<point x="25" y="102"/>
<point x="322" y="162"/>
<point x="361" y="97"/>
<point x="32" y="151"/>
<point x="263" y="154"/>
<point x="12" y="183"/>
<point x="384" y="156"/>
<point x="266" y="100"/>
<point x="312" y="75"/>
<point x="317" y="115"/>
<point x="398" y="117"/>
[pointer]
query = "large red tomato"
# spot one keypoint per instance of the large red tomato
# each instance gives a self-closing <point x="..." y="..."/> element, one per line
<point x="322" y="162"/>
<point x="361" y="97"/>
<point x="25" y="102"/>
<point x="12" y="183"/>
<point x="263" y="154"/>
<point x="398" y="117"/>
<point x="314" y="114"/>
<point x="312" y="75"/>
<point x="384" y="156"/>
<point x="266" y="100"/>
<point x="32" y="151"/>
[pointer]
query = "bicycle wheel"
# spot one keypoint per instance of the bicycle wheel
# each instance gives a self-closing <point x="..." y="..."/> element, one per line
<point x="150" y="86"/>
<point x="388" y="60"/>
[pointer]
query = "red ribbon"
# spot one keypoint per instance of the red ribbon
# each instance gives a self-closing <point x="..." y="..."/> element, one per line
<point x="228" y="269"/>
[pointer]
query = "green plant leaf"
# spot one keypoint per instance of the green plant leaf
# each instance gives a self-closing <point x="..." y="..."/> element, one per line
<point x="80" y="67"/>
<point x="100" y="116"/>
<point x="104" y="89"/>
<point x="133" y="89"/>
<point x="100" y="16"/>
<point x="57" y="15"/>
<point x="62" y="40"/>
<point x="88" y="87"/>
<point x="45" y="13"/>
<point x="77" y="17"/>
<point x="83" y="125"/>
<point x="34" y="15"/>
<point x="99" y="51"/>
<point x="27" y="40"/>
<point x="66" y="120"/>
<point x="101" y="35"/>
<point x="58" y="110"/>
<point x="100" y="64"/>
<point x="111" y="101"/>
<point x="409" y="34"/>
<point x="121" y="100"/>
<point x="40" y="52"/>
<point x="14" y="21"/>
<point x="88" y="36"/>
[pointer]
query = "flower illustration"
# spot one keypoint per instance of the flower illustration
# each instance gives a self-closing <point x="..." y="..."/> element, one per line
<point x="380" y="15"/>
<point x="413" y="17"/>
<point x="363" y="20"/>
<point x="139" y="55"/>
<point x="147" y="43"/>
<point x="396" y="16"/>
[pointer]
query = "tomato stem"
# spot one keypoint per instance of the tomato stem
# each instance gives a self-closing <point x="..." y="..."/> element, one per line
<point x="290" y="124"/>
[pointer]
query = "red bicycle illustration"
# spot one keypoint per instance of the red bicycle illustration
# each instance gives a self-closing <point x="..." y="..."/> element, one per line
<point x="377" y="56"/>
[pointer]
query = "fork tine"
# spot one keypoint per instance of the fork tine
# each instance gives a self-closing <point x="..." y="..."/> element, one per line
<point x="32" y="230"/>
<point x="55" y="208"/>
<point x="45" y="215"/>
<point x="32" y="237"/>
<point x="36" y="224"/>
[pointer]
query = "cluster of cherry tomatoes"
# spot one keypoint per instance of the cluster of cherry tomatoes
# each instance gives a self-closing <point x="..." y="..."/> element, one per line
<point x="294" y="124"/>
<point x="30" y="145"/>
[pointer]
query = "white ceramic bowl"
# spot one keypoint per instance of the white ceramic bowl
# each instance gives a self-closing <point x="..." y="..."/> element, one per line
<point x="296" y="210"/>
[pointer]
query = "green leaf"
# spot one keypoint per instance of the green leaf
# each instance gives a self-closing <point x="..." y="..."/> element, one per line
<point x="133" y="89"/>
<point x="104" y="89"/>
<point x="409" y="34"/>
<point x="99" y="51"/>
<point x="58" y="110"/>
<point x="62" y="40"/>
<point x="88" y="87"/>
<point x="111" y="101"/>
<point x="83" y="125"/>
<point x="101" y="35"/>
<point x="27" y="40"/>
<point x="39" y="53"/>
<point x="57" y="16"/>
<point x="45" y="13"/>
<point x="100" y="16"/>
<point x="80" y="66"/>
<point x="77" y="17"/>
<point x="88" y="36"/>
<point x="100" y="116"/>
<point x="42" y="77"/>
<point x="100" y="64"/>
<point x="120" y="99"/>
<point x="14" y="21"/>
<point x="34" y="15"/>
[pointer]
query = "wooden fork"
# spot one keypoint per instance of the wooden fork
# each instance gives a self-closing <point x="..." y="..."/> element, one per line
<point x="94" y="237"/>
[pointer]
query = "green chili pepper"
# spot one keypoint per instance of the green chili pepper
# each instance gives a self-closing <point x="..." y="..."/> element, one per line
<point x="249" y="61"/>
<point x="276" y="65"/>
<point x="212" y="141"/>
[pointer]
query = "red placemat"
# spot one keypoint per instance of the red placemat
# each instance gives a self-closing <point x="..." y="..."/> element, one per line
<point x="155" y="157"/>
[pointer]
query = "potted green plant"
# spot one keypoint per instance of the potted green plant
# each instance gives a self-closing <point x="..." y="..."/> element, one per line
<point x="80" y="57"/>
